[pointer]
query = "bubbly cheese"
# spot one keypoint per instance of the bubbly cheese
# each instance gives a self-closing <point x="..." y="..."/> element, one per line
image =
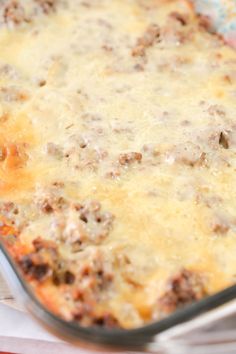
<point x="133" y="105"/>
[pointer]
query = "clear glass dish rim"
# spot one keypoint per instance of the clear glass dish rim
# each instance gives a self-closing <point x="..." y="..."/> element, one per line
<point x="139" y="337"/>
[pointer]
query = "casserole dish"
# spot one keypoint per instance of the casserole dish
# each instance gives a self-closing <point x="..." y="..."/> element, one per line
<point x="117" y="149"/>
<point x="141" y="339"/>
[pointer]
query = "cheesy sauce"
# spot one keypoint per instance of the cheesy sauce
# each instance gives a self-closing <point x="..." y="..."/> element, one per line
<point x="117" y="156"/>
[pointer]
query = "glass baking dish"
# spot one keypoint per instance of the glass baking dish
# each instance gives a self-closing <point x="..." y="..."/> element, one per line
<point x="135" y="339"/>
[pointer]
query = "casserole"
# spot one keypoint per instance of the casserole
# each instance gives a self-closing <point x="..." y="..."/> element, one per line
<point x="142" y="339"/>
<point x="117" y="162"/>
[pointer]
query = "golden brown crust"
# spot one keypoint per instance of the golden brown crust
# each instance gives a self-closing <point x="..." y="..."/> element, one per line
<point x="117" y="156"/>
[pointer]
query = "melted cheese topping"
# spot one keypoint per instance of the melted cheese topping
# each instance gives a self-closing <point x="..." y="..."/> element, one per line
<point x="82" y="88"/>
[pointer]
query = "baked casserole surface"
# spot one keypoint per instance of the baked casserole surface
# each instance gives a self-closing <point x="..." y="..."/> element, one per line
<point x="117" y="156"/>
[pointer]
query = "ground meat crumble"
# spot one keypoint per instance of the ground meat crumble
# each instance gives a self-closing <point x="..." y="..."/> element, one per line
<point x="14" y="13"/>
<point x="47" y="5"/>
<point x="224" y="140"/>
<point x="82" y="224"/>
<point x="88" y="281"/>
<point x="38" y="264"/>
<point x="50" y="199"/>
<point x="14" y="214"/>
<point x="182" y="289"/>
<point x="188" y="154"/>
<point x="181" y="18"/>
<point x="147" y="40"/>
<point x="130" y="158"/>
